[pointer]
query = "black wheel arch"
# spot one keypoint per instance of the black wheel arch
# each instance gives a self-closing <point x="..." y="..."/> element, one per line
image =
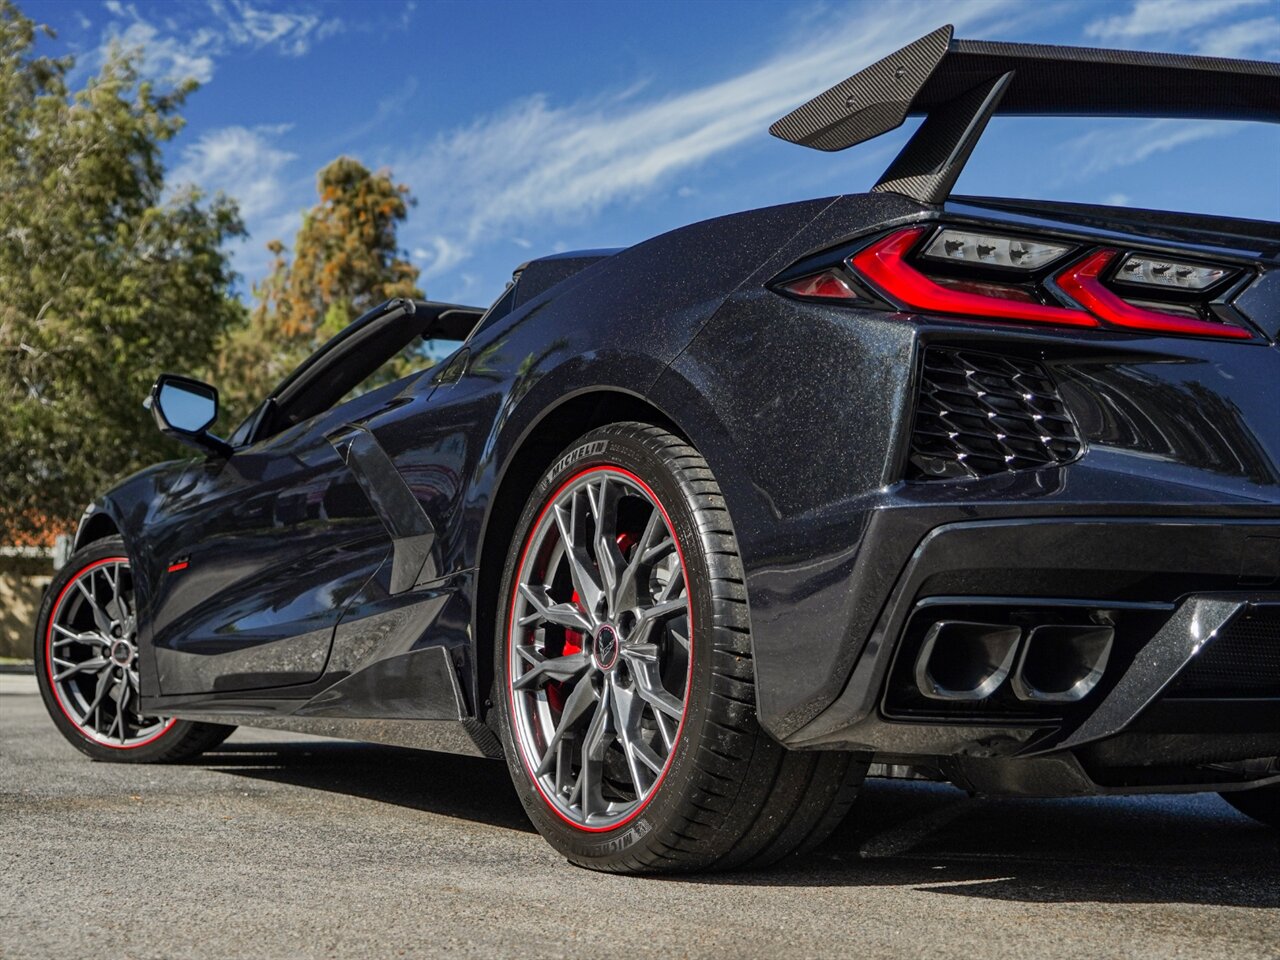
<point x="97" y="525"/>
<point x="553" y="430"/>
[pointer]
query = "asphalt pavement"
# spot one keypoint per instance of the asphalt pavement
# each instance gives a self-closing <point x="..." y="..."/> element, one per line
<point x="286" y="846"/>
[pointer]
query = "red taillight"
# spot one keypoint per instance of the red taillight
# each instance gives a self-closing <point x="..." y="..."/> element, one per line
<point x="827" y="285"/>
<point x="884" y="265"/>
<point x="991" y="296"/>
<point x="1080" y="282"/>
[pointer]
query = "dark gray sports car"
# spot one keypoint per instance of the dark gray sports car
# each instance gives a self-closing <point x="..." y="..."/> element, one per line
<point x="699" y="533"/>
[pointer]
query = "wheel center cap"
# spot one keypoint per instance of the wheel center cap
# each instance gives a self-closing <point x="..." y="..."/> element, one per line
<point x="122" y="652"/>
<point x="606" y="647"/>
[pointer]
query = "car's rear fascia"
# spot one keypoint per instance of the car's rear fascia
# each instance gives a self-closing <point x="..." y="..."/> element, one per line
<point x="1171" y="503"/>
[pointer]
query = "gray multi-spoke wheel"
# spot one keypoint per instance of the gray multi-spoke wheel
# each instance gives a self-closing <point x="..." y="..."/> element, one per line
<point x="599" y="651"/>
<point x="624" y="686"/>
<point x="87" y="662"/>
<point x="91" y="653"/>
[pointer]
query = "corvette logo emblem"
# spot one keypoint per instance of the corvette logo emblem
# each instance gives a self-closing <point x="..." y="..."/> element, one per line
<point x="606" y="647"/>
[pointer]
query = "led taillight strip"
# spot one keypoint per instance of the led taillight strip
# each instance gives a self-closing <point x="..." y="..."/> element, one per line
<point x="883" y="264"/>
<point x="1080" y="282"/>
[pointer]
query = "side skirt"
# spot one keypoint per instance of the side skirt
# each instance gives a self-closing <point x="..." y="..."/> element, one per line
<point x="469" y="737"/>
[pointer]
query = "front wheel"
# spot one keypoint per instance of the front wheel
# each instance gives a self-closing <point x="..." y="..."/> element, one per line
<point x="626" y="693"/>
<point x="86" y="656"/>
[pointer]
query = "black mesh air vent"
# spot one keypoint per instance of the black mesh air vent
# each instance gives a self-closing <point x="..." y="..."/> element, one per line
<point x="1243" y="660"/>
<point x="978" y="414"/>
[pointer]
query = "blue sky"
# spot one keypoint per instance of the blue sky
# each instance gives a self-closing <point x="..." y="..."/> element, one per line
<point x="525" y="128"/>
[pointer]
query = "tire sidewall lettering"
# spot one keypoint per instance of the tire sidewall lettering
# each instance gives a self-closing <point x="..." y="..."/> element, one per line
<point x="621" y="842"/>
<point x="574" y="457"/>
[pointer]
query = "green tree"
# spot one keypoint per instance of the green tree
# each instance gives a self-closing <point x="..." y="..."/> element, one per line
<point x="103" y="281"/>
<point x="346" y="260"/>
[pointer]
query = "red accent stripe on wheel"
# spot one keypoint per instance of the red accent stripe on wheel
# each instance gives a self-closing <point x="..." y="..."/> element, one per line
<point x="48" y="661"/>
<point x="511" y="693"/>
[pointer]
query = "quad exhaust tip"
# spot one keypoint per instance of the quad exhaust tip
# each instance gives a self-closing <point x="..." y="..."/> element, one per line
<point x="1055" y="663"/>
<point x="1062" y="664"/>
<point x="965" y="661"/>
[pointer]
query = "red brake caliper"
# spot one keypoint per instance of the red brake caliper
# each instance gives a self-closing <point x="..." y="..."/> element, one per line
<point x="572" y="644"/>
<point x="573" y="639"/>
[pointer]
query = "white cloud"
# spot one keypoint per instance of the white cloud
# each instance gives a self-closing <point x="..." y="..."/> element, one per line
<point x="289" y="32"/>
<point x="1150" y="18"/>
<point x="1247" y="38"/>
<point x="248" y="163"/>
<point x="329" y="28"/>
<point x="537" y="162"/>
<point x="241" y="162"/>
<point x="176" y="50"/>
<point x="166" y="57"/>
<point x="1109" y="147"/>
<point x="440" y="254"/>
<point x="1117" y="199"/>
<point x="1198" y="25"/>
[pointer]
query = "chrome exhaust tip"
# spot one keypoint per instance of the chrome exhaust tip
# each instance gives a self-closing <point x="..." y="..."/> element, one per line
<point x="1062" y="664"/>
<point x="965" y="661"/>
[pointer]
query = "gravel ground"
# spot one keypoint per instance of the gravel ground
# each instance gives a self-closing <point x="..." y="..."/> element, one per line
<point x="286" y="846"/>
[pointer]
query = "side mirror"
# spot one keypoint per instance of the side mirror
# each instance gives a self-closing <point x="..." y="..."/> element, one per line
<point x="185" y="409"/>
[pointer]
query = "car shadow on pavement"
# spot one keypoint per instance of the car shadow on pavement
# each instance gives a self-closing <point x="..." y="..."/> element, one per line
<point x="1120" y="850"/>
<point x="934" y="838"/>
<point x="469" y="788"/>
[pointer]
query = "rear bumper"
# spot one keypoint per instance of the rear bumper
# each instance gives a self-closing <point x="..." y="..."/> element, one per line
<point x="1171" y="585"/>
<point x="814" y="456"/>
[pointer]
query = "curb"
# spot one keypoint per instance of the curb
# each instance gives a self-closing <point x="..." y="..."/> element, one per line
<point x="27" y="669"/>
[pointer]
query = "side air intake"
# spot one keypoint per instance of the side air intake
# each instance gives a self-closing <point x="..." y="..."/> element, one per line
<point x="978" y="414"/>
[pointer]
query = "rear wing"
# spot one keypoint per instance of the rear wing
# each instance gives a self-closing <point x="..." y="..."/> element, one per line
<point x="958" y="85"/>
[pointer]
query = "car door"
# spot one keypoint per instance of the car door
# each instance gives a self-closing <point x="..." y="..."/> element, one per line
<point x="258" y="552"/>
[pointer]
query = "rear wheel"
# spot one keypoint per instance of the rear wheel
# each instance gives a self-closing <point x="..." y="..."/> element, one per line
<point x="86" y="656"/>
<point x="625" y="683"/>
<point x="1261" y="803"/>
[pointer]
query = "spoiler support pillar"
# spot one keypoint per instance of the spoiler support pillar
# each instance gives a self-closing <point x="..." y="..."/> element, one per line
<point x="928" y="166"/>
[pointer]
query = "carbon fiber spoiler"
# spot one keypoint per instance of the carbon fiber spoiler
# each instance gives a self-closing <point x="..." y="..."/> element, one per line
<point x="958" y="85"/>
